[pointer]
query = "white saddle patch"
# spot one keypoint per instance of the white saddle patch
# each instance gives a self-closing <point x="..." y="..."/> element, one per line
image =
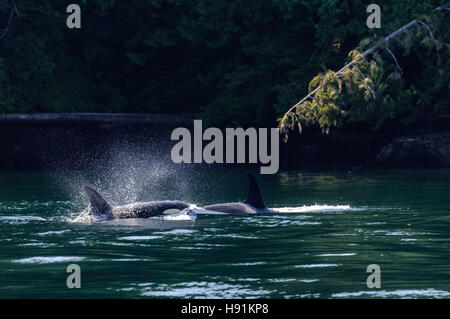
<point x="171" y="211"/>
<point x="185" y="214"/>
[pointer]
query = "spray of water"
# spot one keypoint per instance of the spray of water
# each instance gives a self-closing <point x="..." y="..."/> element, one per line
<point x="126" y="173"/>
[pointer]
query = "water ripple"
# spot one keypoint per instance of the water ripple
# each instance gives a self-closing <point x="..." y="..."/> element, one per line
<point x="47" y="260"/>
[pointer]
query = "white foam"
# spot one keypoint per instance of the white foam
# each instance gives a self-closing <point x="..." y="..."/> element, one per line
<point x="202" y="289"/>
<point x="317" y="266"/>
<point x="21" y="219"/>
<point x="282" y="280"/>
<point x="47" y="260"/>
<point x="403" y="293"/>
<point x="313" y="209"/>
<point x="38" y="244"/>
<point x="139" y="237"/>
<point x="60" y="232"/>
<point x="180" y="217"/>
<point x="250" y="264"/>
<point x="177" y="232"/>
<point x="337" y="255"/>
<point x="309" y="280"/>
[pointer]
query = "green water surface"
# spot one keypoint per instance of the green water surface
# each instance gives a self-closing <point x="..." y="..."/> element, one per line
<point x="329" y="228"/>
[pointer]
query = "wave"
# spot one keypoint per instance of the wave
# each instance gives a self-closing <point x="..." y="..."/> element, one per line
<point x="299" y="209"/>
<point x="48" y="260"/>
<point x="403" y="293"/>
<point x="19" y="219"/>
<point x="314" y="208"/>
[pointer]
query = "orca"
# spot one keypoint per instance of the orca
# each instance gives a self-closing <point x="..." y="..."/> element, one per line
<point x="99" y="210"/>
<point x="254" y="203"/>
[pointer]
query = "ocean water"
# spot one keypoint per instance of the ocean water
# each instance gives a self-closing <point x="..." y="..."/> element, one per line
<point x="329" y="226"/>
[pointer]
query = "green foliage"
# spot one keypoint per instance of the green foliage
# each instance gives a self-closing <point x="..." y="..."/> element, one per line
<point x="401" y="84"/>
<point x="236" y="62"/>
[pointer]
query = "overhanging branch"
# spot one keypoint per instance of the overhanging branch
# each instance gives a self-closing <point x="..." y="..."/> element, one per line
<point x="393" y="35"/>
<point x="12" y="13"/>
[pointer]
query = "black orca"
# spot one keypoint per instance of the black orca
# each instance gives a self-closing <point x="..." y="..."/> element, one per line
<point x="254" y="203"/>
<point x="100" y="210"/>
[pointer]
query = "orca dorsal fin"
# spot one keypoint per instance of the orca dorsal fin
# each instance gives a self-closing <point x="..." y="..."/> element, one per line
<point x="254" y="196"/>
<point x="98" y="204"/>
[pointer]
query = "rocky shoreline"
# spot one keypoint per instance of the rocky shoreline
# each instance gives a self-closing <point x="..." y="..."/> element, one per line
<point x="422" y="151"/>
<point x="367" y="150"/>
<point x="77" y="140"/>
